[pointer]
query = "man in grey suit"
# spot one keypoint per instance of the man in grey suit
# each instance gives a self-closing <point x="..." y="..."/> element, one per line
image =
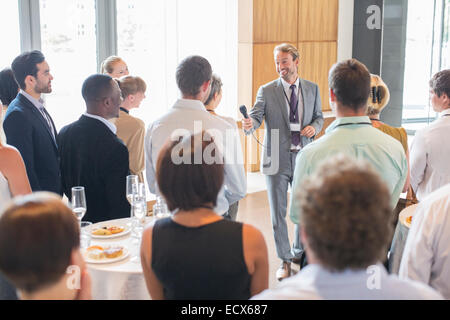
<point x="292" y="111"/>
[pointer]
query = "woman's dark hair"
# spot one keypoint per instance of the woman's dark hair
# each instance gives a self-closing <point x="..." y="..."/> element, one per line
<point x="8" y="86"/>
<point x="38" y="233"/>
<point x="187" y="184"/>
<point x="26" y="65"/>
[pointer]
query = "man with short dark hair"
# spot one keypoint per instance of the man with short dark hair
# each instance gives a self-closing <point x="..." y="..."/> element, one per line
<point x="40" y="249"/>
<point x="430" y="154"/>
<point x="29" y="127"/>
<point x="346" y="225"/>
<point x="91" y="154"/>
<point x="189" y="116"/>
<point x="352" y="134"/>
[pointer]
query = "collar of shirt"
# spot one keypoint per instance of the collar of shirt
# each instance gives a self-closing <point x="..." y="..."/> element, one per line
<point x="287" y="86"/>
<point x="443" y="113"/>
<point x="107" y="123"/>
<point x="347" y="120"/>
<point x="37" y="103"/>
<point x="190" y="104"/>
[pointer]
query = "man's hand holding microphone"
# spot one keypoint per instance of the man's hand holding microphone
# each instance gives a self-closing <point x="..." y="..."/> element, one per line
<point x="247" y="123"/>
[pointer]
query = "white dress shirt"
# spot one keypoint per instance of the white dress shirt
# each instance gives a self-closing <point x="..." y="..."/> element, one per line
<point x="107" y="123"/>
<point x="426" y="256"/>
<point x="430" y="157"/>
<point x="315" y="282"/>
<point x="185" y="118"/>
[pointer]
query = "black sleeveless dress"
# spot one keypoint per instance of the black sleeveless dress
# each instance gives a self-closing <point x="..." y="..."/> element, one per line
<point x="205" y="262"/>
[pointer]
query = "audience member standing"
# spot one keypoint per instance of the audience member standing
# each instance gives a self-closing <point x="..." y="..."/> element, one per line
<point x="196" y="254"/>
<point x="378" y="100"/>
<point x="114" y="67"/>
<point x="131" y="130"/>
<point x="39" y="242"/>
<point x="292" y="113"/>
<point x="29" y="127"/>
<point x="352" y="133"/>
<point x="426" y="255"/>
<point x="430" y="153"/>
<point x="346" y="226"/>
<point x="91" y="154"/>
<point x="211" y="104"/>
<point x="188" y="116"/>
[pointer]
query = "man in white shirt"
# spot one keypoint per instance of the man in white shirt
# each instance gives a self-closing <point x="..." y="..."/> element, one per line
<point x="189" y="116"/>
<point x="426" y="257"/>
<point x="345" y="228"/>
<point x="430" y="153"/>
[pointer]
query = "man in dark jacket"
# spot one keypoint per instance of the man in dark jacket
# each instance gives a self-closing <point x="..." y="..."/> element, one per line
<point x="91" y="154"/>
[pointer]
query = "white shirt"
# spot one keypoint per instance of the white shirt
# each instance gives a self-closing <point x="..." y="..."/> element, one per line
<point x="185" y="118"/>
<point x="426" y="256"/>
<point x="315" y="282"/>
<point x="107" y="123"/>
<point x="430" y="157"/>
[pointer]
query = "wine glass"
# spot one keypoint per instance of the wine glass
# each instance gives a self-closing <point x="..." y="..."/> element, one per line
<point x="139" y="211"/>
<point x="132" y="188"/>
<point x="79" y="202"/>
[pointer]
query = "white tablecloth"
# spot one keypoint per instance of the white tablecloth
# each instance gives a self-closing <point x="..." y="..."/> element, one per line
<point x="122" y="280"/>
<point x="399" y="240"/>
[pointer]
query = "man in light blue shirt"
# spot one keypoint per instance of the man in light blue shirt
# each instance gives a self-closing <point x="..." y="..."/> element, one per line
<point x="352" y="134"/>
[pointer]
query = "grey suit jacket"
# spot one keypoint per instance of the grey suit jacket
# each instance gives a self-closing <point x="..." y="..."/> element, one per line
<point x="271" y="106"/>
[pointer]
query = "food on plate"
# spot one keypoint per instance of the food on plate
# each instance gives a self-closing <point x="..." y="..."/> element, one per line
<point x="409" y="220"/>
<point x="101" y="232"/>
<point x="100" y="253"/>
<point x="114" y="252"/>
<point x="95" y="252"/>
<point x="108" y="230"/>
<point x="115" y="229"/>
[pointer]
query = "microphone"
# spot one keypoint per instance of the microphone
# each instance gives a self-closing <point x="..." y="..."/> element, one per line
<point x="243" y="110"/>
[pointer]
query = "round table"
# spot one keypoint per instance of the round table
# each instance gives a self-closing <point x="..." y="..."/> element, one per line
<point x="121" y="280"/>
<point x="399" y="240"/>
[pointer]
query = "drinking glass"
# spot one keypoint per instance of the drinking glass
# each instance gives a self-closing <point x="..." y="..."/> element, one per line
<point x="160" y="209"/>
<point x="139" y="211"/>
<point x="132" y="187"/>
<point x="79" y="202"/>
<point x="85" y="234"/>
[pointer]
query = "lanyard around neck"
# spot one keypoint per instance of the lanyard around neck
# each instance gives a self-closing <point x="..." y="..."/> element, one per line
<point x="353" y="123"/>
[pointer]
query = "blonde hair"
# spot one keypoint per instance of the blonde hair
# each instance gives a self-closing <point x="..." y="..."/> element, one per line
<point x="108" y="64"/>
<point x="131" y="85"/>
<point x="287" y="48"/>
<point x="379" y="95"/>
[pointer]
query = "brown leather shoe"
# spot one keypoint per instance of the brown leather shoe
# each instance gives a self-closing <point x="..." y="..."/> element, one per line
<point x="284" y="271"/>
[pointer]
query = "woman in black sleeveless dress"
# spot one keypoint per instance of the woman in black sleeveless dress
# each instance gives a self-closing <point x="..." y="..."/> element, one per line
<point x="196" y="254"/>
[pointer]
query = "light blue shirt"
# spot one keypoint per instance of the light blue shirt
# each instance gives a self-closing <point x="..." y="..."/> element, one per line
<point x="314" y="282"/>
<point x="353" y="136"/>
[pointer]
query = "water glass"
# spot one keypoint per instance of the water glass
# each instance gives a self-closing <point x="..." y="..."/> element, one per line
<point x="85" y="234"/>
<point x="160" y="209"/>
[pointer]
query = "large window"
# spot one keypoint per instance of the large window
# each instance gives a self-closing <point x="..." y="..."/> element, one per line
<point x="9" y="32"/>
<point x="427" y="51"/>
<point x="154" y="36"/>
<point x="69" y="45"/>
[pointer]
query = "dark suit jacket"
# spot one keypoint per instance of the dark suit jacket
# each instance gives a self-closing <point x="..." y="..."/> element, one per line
<point x="28" y="131"/>
<point x="93" y="157"/>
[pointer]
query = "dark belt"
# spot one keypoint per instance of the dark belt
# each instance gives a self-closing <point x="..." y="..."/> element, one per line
<point x="294" y="150"/>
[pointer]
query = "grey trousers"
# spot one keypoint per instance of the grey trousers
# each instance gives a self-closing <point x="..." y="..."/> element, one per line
<point x="277" y="187"/>
<point x="232" y="211"/>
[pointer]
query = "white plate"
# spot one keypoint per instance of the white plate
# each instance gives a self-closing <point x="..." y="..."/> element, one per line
<point x="125" y="254"/>
<point x="106" y="224"/>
